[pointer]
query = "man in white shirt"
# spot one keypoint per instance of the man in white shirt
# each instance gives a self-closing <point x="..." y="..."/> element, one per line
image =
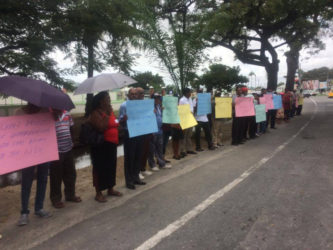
<point x="186" y="142"/>
<point x="204" y="124"/>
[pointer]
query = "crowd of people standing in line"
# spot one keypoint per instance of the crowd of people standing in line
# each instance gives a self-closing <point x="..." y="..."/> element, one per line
<point x="138" y="150"/>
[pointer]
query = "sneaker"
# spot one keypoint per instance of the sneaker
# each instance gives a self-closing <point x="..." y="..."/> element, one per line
<point x="42" y="214"/>
<point x="141" y="176"/>
<point x="24" y="220"/>
<point x="147" y="173"/>
<point x="167" y="166"/>
<point x="155" y="169"/>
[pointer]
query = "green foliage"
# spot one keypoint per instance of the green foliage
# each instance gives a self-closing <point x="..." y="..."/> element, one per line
<point x="147" y="79"/>
<point x="27" y="36"/>
<point x="171" y="30"/>
<point x="100" y="32"/>
<point x="222" y="77"/>
<point x="321" y="74"/>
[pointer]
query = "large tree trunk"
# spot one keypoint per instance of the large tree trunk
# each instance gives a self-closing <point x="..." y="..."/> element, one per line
<point x="89" y="97"/>
<point x="272" y="74"/>
<point x="292" y="66"/>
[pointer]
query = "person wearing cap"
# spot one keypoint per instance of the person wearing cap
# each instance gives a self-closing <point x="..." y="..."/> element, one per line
<point x="203" y="123"/>
<point x="186" y="141"/>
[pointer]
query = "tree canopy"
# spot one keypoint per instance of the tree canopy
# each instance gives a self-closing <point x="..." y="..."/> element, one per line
<point x="171" y="30"/>
<point x="321" y="74"/>
<point x="147" y="79"/>
<point x="28" y="35"/>
<point x="222" y="77"/>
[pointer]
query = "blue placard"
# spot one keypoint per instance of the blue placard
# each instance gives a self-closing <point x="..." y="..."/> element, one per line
<point x="141" y="117"/>
<point x="277" y="101"/>
<point x="204" y="105"/>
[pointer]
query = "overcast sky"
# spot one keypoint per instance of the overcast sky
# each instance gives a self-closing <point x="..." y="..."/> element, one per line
<point x="147" y="63"/>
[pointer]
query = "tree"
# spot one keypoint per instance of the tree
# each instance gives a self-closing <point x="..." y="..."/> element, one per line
<point x="146" y="79"/>
<point x="222" y="77"/>
<point x="250" y="29"/>
<point x="321" y="74"/>
<point x="101" y="32"/>
<point x="171" y="30"/>
<point x="28" y="34"/>
<point x="304" y="33"/>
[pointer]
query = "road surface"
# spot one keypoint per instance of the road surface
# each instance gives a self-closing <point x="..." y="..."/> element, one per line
<point x="274" y="192"/>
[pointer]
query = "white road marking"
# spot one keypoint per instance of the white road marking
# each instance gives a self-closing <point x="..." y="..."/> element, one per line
<point x="174" y="226"/>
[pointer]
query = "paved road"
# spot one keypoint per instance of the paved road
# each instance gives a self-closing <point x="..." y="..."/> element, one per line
<point x="275" y="192"/>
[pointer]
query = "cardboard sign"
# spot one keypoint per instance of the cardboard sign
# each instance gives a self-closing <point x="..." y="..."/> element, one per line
<point x="170" y="111"/>
<point x="262" y="100"/>
<point x="204" y="104"/>
<point x="260" y="113"/>
<point x="26" y="141"/>
<point x="269" y="101"/>
<point x="141" y="117"/>
<point x="244" y="106"/>
<point x="187" y="119"/>
<point x="223" y="107"/>
<point x="277" y="101"/>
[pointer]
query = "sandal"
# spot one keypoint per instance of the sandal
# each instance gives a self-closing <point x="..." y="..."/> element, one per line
<point x="176" y="157"/>
<point x="100" y="198"/>
<point x="74" y="199"/>
<point x="114" y="193"/>
<point x="58" y="204"/>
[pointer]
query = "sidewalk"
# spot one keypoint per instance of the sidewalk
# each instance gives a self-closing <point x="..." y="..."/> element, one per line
<point x="39" y="229"/>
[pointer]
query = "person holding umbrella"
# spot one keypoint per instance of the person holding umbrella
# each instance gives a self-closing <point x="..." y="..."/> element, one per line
<point x="28" y="177"/>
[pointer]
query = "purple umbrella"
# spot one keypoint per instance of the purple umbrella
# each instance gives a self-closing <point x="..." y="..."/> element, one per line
<point x="36" y="92"/>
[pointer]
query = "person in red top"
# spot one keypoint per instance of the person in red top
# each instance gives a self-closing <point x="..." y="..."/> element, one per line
<point x="104" y="156"/>
<point x="286" y="100"/>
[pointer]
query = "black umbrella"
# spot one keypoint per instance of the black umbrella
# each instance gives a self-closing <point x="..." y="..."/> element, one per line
<point x="36" y="92"/>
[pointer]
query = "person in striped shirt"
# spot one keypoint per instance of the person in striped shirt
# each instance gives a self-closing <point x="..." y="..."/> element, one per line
<point x="63" y="170"/>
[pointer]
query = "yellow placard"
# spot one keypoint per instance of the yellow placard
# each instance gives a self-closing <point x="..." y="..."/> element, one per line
<point x="187" y="119"/>
<point x="223" y="107"/>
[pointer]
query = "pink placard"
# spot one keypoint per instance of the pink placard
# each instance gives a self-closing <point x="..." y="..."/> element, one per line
<point x="26" y="141"/>
<point x="262" y="100"/>
<point x="269" y="101"/>
<point x="244" y="106"/>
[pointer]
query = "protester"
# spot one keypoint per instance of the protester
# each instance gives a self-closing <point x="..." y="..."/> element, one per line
<point x="203" y="123"/>
<point x="28" y="177"/>
<point x="249" y="122"/>
<point x="262" y="125"/>
<point x="300" y="102"/>
<point x="104" y="155"/>
<point x="293" y="103"/>
<point x="63" y="170"/>
<point x="216" y="124"/>
<point x="186" y="141"/>
<point x="287" y="103"/>
<point x="132" y="146"/>
<point x="271" y="114"/>
<point x="156" y="142"/>
<point x="236" y="121"/>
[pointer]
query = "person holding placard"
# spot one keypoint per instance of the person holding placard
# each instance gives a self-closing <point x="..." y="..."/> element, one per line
<point x="249" y="121"/>
<point x="132" y="148"/>
<point x="28" y="177"/>
<point x="203" y="123"/>
<point x="287" y="102"/>
<point x="216" y="124"/>
<point x="300" y="102"/>
<point x="271" y="115"/>
<point x="186" y="141"/>
<point x="236" y="121"/>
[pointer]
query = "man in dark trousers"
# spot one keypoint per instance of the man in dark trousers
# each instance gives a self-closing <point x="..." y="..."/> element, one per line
<point x="236" y="121"/>
<point x="271" y="115"/>
<point x="132" y="146"/>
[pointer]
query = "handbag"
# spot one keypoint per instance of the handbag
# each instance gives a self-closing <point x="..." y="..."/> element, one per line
<point x="90" y="136"/>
